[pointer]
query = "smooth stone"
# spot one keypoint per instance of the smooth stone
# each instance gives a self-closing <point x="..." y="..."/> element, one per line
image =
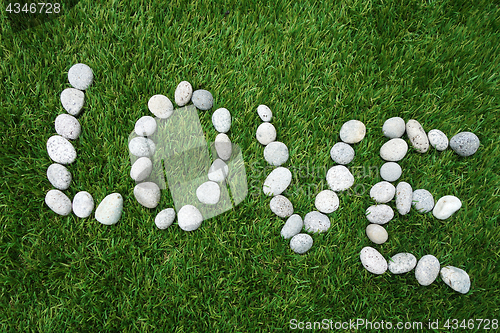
<point x="276" y="153"/>
<point x="83" y="204"/>
<point x="339" y="178"/>
<point x="266" y="133"/>
<point x="147" y="194"/>
<point x="183" y="93"/>
<point x="110" y="209"/>
<point x="80" y="76"/>
<point x="352" y="131"/>
<point x="402" y="263"/>
<point x="422" y="201"/>
<point x="218" y="171"/>
<point x="221" y="119"/>
<point x="60" y="150"/>
<point x="394" y="127"/>
<point x="446" y="206"/>
<point x="438" y="139"/>
<point x="165" y="218"/>
<point x="277" y="181"/>
<point x="327" y="201"/>
<point x="301" y="243"/>
<point x="404" y="198"/>
<point x="208" y="193"/>
<point x="189" y="218"/>
<point x="342" y="153"/>
<point x="372" y="260"/>
<point x="379" y="214"/>
<point x="376" y="233"/>
<point x="390" y="171"/>
<point x="281" y="206"/>
<point x="145" y="126"/>
<point x="67" y="126"/>
<point x="394" y="150"/>
<point x="223" y="146"/>
<point x="160" y="106"/>
<point x="427" y="270"/>
<point x="202" y="99"/>
<point x="316" y="222"/>
<point x="58" y="202"/>
<point x="264" y="113"/>
<point x="141" y="147"/>
<point x="456" y="278"/>
<point x="417" y="136"/>
<point x="59" y="176"/>
<point x="382" y="192"/>
<point x="72" y="100"/>
<point x="465" y="143"/>
<point x="293" y="226"/>
<point x="141" y="169"/>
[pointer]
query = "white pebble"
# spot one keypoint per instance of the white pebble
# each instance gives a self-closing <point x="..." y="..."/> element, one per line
<point x="372" y="260"/>
<point x="427" y="270"/>
<point x="110" y="209"/>
<point x="342" y="153"/>
<point x="266" y="133"/>
<point x="160" y="106"/>
<point x="382" y="192"/>
<point x="276" y="153"/>
<point x="402" y="263"/>
<point x="145" y="126"/>
<point x="208" y="193"/>
<point x="223" y="146"/>
<point x="218" y="171"/>
<point x="165" y="218"/>
<point x="394" y="127"/>
<point x="379" y="214"/>
<point x="183" y="93"/>
<point x="316" y="222"/>
<point x="292" y="226"/>
<point x="394" y="150"/>
<point x="147" y="194"/>
<point x="281" y="206"/>
<point x="352" y="131"/>
<point x="141" y="169"/>
<point x="390" y="171"/>
<point x="456" y="278"/>
<point x="404" y="198"/>
<point x="189" y="218"/>
<point x="301" y="243"/>
<point x="446" y="206"/>
<point x="376" y="233"/>
<point x="72" y="100"/>
<point x="417" y="136"/>
<point x="58" y="202"/>
<point x="67" y="126"/>
<point x="59" y="176"/>
<point x="80" y="76"/>
<point x="327" y="201"/>
<point x="339" y="178"/>
<point x="60" y="150"/>
<point x="141" y="147"/>
<point x="221" y="119"/>
<point x="202" y="99"/>
<point x="277" y="181"/>
<point x="438" y="139"/>
<point x="264" y="113"/>
<point x="422" y="201"/>
<point x="83" y="204"/>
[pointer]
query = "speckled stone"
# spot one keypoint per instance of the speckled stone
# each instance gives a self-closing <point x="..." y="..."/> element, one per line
<point x="223" y="146"/>
<point x="67" y="126"/>
<point x="456" y="278"/>
<point x="372" y="260"/>
<point x="352" y="131"/>
<point x="160" y="106"/>
<point x="465" y="143"/>
<point x="379" y="214"/>
<point x="60" y="150"/>
<point x="110" y="209"/>
<point x="394" y="127"/>
<point x="80" y="76"/>
<point x="264" y="113"/>
<point x="339" y="178"/>
<point x="316" y="222"/>
<point x="147" y="194"/>
<point x="427" y="270"/>
<point x="189" y="218"/>
<point x="141" y="147"/>
<point x="376" y="233"/>
<point x="301" y="243"/>
<point x="276" y="153"/>
<point x="221" y="119"/>
<point x="382" y="192"/>
<point x="165" y="218"/>
<point x="390" y="171"/>
<point x="277" y="181"/>
<point x="342" y="153"/>
<point x="72" y="100"/>
<point x="438" y="139"/>
<point x="208" y="193"/>
<point x="141" y="169"/>
<point x="327" y="201"/>
<point x="417" y="136"/>
<point x="281" y="206"/>
<point x="402" y="263"/>
<point x="145" y="126"/>
<point x="218" y="171"/>
<point x="183" y="93"/>
<point x="394" y="150"/>
<point x="202" y="99"/>
<point x="58" y="202"/>
<point x="446" y="206"/>
<point x="266" y="133"/>
<point x="422" y="201"/>
<point x="292" y="226"/>
<point x="59" y="176"/>
<point x="404" y="198"/>
<point x="83" y="204"/>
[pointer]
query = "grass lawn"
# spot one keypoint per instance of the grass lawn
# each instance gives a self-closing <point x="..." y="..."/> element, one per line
<point x="316" y="65"/>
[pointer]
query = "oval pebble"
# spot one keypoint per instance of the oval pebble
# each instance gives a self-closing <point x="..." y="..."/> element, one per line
<point x="427" y="270"/>
<point x="390" y="171"/>
<point x="202" y="99"/>
<point x="456" y="278"/>
<point x="394" y="127"/>
<point x="59" y="176"/>
<point x="141" y="147"/>
<point x="372" y="260"/>
<point x="422" y="201"/>
<point x="316" y="222"/>
<point x="183" y="93"/>
<point x="281" y="206"/>
<point x="339" y="178"/>
<point x="264" y="113"/>
<point x="292" y="226"/>
<point x="60" y="150"/>
<point x="382" y="192"/>
<point x="189" y="218"/>
<point x="379" y="214"/>
<point x="141" y="169"/>
<point x="376" y="233"/>
<point x="110" y="209"/>
<point x="165" y="218"/>
<point x="277" y="181"/>
<point x="446" y="206"/>
<point x="221" y="119"/>
<point x="147" y="194"/>
<point x="160" y="106"/>
<point x="218" y="171"/>
<point x="417" y="136"/>
<point x="223" y="146"/>
<point x="301" y="243"/>
<point x="83" y="204"/>
<point x="266" y="133"/>
<point x="352" y="131"/>
<point x="145" y="126"/>
<point x="438" y="139"/>
<point x="465" y="143"/>
<point x="80" y="76"/>
<point x="342" y="153"/>
<point x="402" y="263"/>
<point x="276" y="153"/>
<point x="394" y="150"/>
<point x="58" y="202"/>
<point x="404" y="198"/>
<point x="327" y="201"/>
<point x="208" y="193"/>
<point x="67" y="126"/>
<point x="72" y="100"/>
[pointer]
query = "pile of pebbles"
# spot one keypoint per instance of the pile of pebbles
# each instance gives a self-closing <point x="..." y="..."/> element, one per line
<point x="421" y="200"/>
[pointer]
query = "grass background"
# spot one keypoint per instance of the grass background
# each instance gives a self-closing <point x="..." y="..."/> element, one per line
<point x="316" y="65"/>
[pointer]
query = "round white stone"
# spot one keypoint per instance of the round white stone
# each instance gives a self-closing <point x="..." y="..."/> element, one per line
<point x="58" y="202"/>
<point x="417" y="136"/>
<point x="80" y="76"/>
<point x="422" y="201"/>
<point x="165" y="218"/>
<point x="141" y="147"/>
<point x="390" y="171"/>
<point x="316" y="222"/>
<point x="394" y="150"/>
<point x="427" y="270"/>
<point x="145" y="126"/>
<point x="404" y="198"/>
<point x="456" y="278"/>
<point x="264" y="113"/>
<point x="202" y="99"/>
<point x="438" y="139"/>
<point x="160" y="106"/>
<point x="277" y="181"/>
<point x="281" y="206"/>
<point x="402" y="263"/>
<point x="339" y="178"/>
<point x="372" y="260"/>
<point x="292" y="226"/>
<point x="67" y="126"/>
<point x="218" y="171"/>
<point x="223" y="146"/>
<point x="352" y="131"/>
<point x="301" y="243"/>
<point x="446" y="206"/>
<point x="72" y="100"/>
<point x="394" y="127"/>
<point x="83" y="204"/>
<point x="327" y="201"/>
<point x="266" y="133"/>
<point x="189" y="218"/>
<point x="382" y="192"/>
<point x="465" y="143"/>
<point x="379" y="214"/>
<point x="276" y="153"/>
<point x="147" y="194"/>
<point x="183" y="93"/>
<point x="376" y="233"/>
<point x="110" y="209"/>
<point x="221" y="119"/>
<point x="141" y="169"/>
<point x="208" y="193"/>
<point x="342" y="153"/>
<point x="59" y="176"/>
<point x="60" y="150"/>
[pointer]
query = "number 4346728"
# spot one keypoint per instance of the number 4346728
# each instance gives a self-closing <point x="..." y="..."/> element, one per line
<point x="34" y="8"/>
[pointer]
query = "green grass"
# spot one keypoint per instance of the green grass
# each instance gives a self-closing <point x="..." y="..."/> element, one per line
<point x="316" y="65"/>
